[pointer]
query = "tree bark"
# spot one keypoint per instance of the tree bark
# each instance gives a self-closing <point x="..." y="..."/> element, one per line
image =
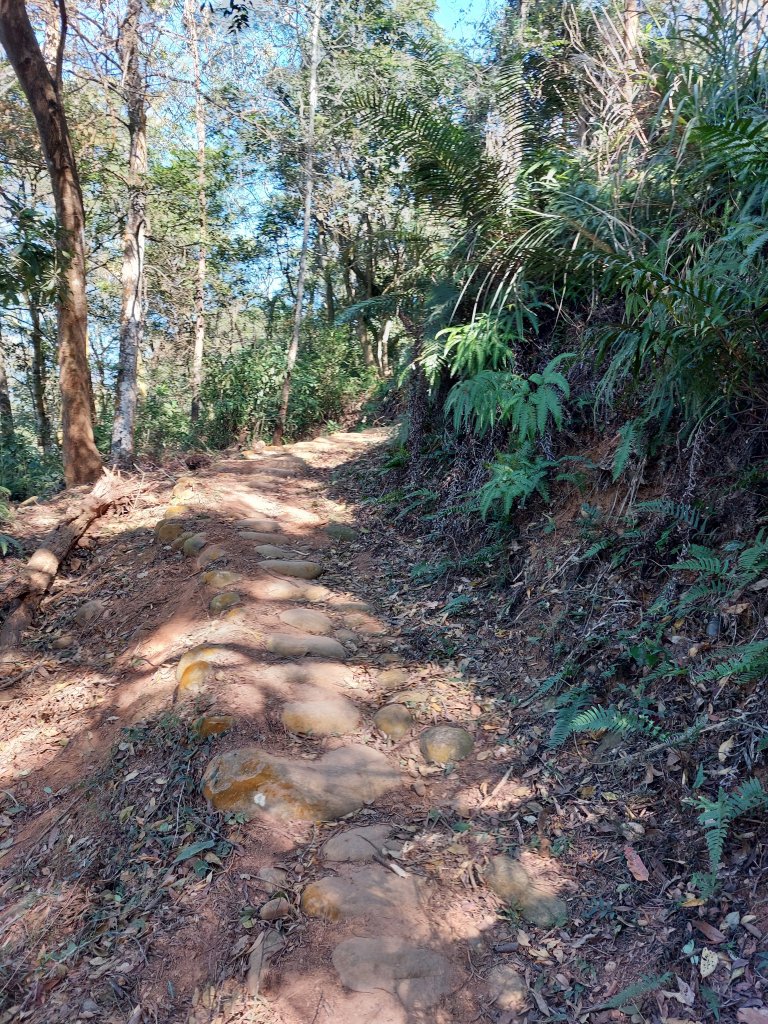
<point x="7" y="435"/>
<point x="82" y="462"/>
<point x="134" y="241"/>
<point x="42" y="420"/>
<point x="202" y="213"/>
<point x="309" y="160"/>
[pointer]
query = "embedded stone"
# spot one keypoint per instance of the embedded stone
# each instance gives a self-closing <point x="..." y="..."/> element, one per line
<point x="307" y="620"/>
<point x="292" y="567"/>
<point x="212" y="725"/>
<point x="167" y="531"/>
<point x="262" y="525"/>
<point x="356" y="844"/>
<point x="371" y="892"/>
<point x="203" y="652"/>
<point x="444" y="744"/>
<point x="89" y="612"/>
<point x="416" y="697"/>
<point x="511" y="882"/>
<point x="178" y="544"/>
<point x="258" y="538"/>
<point x="270" y="551"/>
<point x="177" y="511"/>
<point x="302" y="645"/>
<point x="340" y="531"/>
<point x="335" y="716"/>
<point x="418" y="976"/>
<point x="221" y="602"/>
<point x="193" y="678"/>
<point x="391" y="679"/>
<point x="363" y="623"/>
<point x="266" y="589"/>
<point x="274" y="877"/>
<point x="210" y="554"/>
<point x="218" y="578"/>
<point x="338" y="783"/>
<point x="507" y="988"/>
<point x="394" y="720"/>
<point x="275" y="910"/>
<point x="194" y="545"/>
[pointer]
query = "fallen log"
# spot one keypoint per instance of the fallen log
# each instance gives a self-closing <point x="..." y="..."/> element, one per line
<point x="25" y="593"/>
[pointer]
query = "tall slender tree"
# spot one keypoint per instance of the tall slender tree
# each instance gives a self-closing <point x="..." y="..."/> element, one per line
<point x="190" y="21"/>
<point x="134" y="237"/>
<point x="43" y="90"/>
<point x="309" y="177"/>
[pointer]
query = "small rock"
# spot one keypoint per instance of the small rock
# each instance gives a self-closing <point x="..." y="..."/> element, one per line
<point x="212" y="725"/>
<point x="275" y="910"/>
<point x="302" y="645"/>
<point x="307" y="620"/>
<point x="210" y="554"/>
<point x="507" y="988"/>
<point x="193" y="545"/>
<point x="444" y="744"/>
<point x="514" y="885"/>
<point x="178" y="544"/>
<point x="363" y="623"/>
<point x="218" y="578"/>
<point x="419" y="977"/>
<point x="340" y="531"/>
<point x="346" y="636"/>
<point x="267" y="589"/>
<point x="262" y="525"/>
<point x="389" y="658"/>
<point x="193" y="678"/>
<point x="63" y="642"/>
<point x="177" y="511"/>
<point x="394" y="720"/>
<point x="203" y="652"/>
<point x="392" y="679"/>
<point x="89" y="612"/>
<point x="336" y="716"/>
<point x="292" y="567"/>
<point x="274" y="877"/>
<point x="221" y="602"/>
<point x="271" y="551"/>
<point x="356" y="844"/>
<point x="258" y="538"/>
<point x="168" y="531"/>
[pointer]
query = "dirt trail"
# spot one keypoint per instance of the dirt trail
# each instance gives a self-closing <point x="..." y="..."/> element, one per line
<point x="282" y="833"/>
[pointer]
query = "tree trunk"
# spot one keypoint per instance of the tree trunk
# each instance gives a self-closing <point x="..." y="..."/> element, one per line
<point x="293" y="348"/>
<point x="6" y="412"/>
<point x="134" y="240"/>
<point x="42" y="420"/>
<point x="382" y="348"/>
<point x="202" y="213"/>
<point x="82" y="462"/>
<point x="631" y="27"/>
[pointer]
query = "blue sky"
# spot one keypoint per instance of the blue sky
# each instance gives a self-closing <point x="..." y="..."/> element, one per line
<point x="458" y="17"/>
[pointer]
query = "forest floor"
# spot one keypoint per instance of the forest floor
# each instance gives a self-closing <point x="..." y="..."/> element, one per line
<point x="242" y="812"/>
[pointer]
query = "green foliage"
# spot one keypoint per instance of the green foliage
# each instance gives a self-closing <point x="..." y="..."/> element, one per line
<point x="501" y="398"/>
<point x="25" y="470"/>
<point x="716" y="818"/>
<point x="515" y="477"/>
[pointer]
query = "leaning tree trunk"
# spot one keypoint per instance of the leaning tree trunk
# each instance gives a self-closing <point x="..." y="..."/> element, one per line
<point x="82" y="462"/>
<point x="134" y="238"/>
<point x="309" y="160"/>
<point x="202" y="214"/>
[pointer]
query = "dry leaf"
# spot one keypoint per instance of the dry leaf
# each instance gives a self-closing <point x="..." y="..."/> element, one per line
<point x="636" y="867"/>
<point x="752" y="1015"/>
<point x="708" y="963"/>
<point x="724" y="749"/>
<point x="709" y="931"/>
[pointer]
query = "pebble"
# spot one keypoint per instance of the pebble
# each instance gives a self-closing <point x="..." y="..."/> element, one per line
<point x="445" y="744"/>
<point x="340" y="531"/>
<point x="212" y="725"/>
<point x="203" y="652"/>
<point x="262" y="525"/>
<point x="193" y="678"/>
<point x="89" y="612"/>
<point x="168" y="531"/>
<point x="507" y="988"/>
<point x="194" y="545"/>
<point x="218" y="578"/>
<point x="221" y="602"/>
<point x="275" y="910"/>
<point x="292" y="567"/>
<point x="394" y="720"/>
<point x="511" y="882"/>
<point x="270" y="551"/>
